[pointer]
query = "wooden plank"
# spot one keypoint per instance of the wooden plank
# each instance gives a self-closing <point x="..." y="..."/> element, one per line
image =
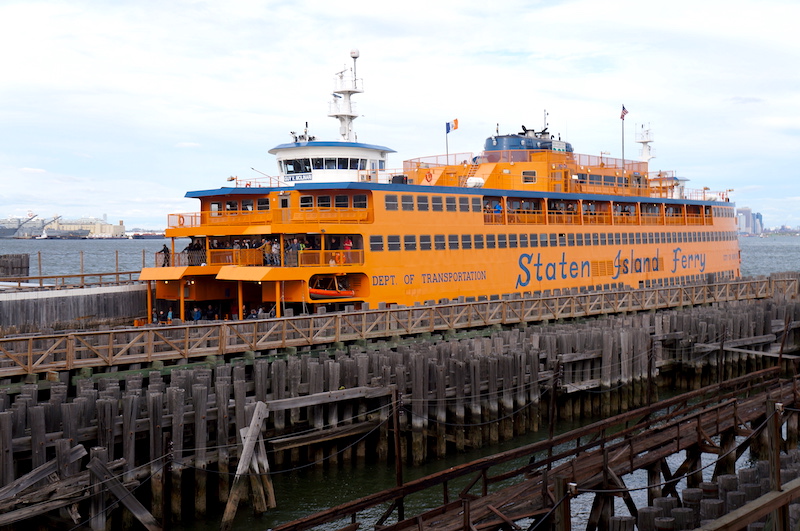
<point x="248" y="449"/>
<point x="328" y="397"/>
<point x="39" y="473"/>
<point x="101" y="472"/>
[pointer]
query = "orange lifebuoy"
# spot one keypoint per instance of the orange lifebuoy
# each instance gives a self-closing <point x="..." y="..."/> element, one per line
<point x="247" y="185"/>
<point x="180" y="221"/>
<point x="429" y="176"/>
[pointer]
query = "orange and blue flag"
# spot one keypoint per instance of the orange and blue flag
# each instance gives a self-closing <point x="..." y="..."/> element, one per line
<point x="451" y="126"/>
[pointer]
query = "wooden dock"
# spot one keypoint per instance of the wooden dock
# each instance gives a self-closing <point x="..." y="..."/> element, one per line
<point x="534" y="483"/>
<point x="43" y="353"/>
<point x="170" y="407"/>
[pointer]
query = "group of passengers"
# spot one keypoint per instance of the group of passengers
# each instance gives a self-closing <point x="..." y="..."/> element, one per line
<point x="195" y="253"/>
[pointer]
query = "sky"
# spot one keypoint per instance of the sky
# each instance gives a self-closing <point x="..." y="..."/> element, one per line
<point x="120" y="108"/>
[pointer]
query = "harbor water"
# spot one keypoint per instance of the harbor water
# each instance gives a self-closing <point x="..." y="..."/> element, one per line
<point x="306" y="490"/>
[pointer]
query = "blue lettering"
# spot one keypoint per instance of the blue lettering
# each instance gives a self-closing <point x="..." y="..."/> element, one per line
<point x="521" y="283"/>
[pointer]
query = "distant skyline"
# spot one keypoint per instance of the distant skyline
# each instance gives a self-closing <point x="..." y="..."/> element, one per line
<point x="122" y="107"/>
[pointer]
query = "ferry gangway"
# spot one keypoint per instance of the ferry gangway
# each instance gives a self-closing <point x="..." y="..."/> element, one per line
<point x="523" y="483"/>
<point x="42" y="353"/>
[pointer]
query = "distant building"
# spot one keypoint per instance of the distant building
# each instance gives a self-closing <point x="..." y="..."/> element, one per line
<point x="750" y="223"/>
<point x="97" y="228"/>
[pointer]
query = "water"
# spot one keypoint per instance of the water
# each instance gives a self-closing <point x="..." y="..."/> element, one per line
<point x="63" y="257"/>
<point x="308" y="490"/>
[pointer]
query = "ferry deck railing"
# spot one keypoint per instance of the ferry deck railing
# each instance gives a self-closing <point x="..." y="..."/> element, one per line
<point x="33" y="354"/>
<point x="79" y="280"/>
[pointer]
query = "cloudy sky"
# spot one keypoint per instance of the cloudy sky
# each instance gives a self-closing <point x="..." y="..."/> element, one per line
<point x="120" y="107"/>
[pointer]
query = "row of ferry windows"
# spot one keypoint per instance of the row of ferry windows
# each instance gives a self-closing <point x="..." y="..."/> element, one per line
<point x="330" y="163"/>
<point x="358" y="202"/>
<point x="473" y="204"/>
<point x="440" y="242"/>
<point x="234" y="205"/>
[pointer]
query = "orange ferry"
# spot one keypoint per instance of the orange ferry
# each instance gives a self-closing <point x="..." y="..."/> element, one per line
<point x="337" y="228"/>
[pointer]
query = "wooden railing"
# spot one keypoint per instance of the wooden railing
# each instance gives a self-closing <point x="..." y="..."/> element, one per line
<point x="78" y="280"/>
<point x="60" y="352"/>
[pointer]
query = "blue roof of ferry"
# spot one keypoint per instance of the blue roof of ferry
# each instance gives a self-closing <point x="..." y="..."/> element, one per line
<point x="444" y="190"/>
<point x="331" y="143"/>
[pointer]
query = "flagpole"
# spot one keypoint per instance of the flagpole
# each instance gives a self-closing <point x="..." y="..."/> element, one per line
<point x="447" y="148"/>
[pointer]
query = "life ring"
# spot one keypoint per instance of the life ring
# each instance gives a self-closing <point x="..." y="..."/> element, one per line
<point x="180" y="221"/>
<point x="429" y="176"/>
<point x="247" y="185"/>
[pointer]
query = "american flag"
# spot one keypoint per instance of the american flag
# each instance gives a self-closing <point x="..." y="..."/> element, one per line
<point x="624" y="112"/>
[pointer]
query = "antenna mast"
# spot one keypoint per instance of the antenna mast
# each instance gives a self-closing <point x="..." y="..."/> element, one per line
<point x="342" y="108"/>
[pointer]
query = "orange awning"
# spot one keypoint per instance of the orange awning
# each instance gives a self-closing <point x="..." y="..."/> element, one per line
<point x="162" y="273"/>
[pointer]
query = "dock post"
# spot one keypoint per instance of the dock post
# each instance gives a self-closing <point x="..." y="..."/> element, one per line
<point x="98" y="506"/>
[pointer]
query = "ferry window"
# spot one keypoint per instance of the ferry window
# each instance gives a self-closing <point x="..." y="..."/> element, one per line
<point x="562" y="240"/>
<point x="638" y="238"/>
<point x="476" y="204"/>
<point x="571" y="240"/>
<point x="376" y="243"/>
<point x="353" y="164"/>
<point x="587" y="239"/>
<point x="579" y="240"/>
<point x="512" y="241"/>
<point x="617" y="238"/>
<point x="231" y="206"/>
<point x="595" y="239"/>
<point x="523" y="240"/>
<point x="595" y="179"/>
<point x="342" y="163"/>
<point x="450" y="201"/>
<point x="306" y="201"/>
<point x="318" y="163"/>
<point x="501" y="241"/>
<point x="581" y="177"/>
<point x="247" y="205"/>
<point x="391" y="202"/>
<point x="410" y="242"/>
<point x="452" y="241"/>
<point x="554" y="240"/>
<point x="215" y="206"/>
<point x="478" y="239"/>
<point x="330" y="163"/>
<point x="543" y="240"/>
<point x="534" y="240"/>
<point x="466" y="241"/>
<point x="324" y="201"/>
<point x="407" y="202"/>
<point x="262" y="204"/>
<point x="463" y="204"/>
<point x="360" y="201"/>
<point x="602" y="238"/>
<point x="425" y="242"/>
<point x="529" y="176"/>
<point x="393" y="242"/>
<point x="650" y="238"/>
<point x="422" y="203"/>
<point x="624" y="238"/>
<point x="621" y="181"/>
<point x="436" y="203"/>
<point x="609" y="180"/>
<point x="438" y="242"/>
<point x="490" y="241"/>
<point x="341" y="201"/>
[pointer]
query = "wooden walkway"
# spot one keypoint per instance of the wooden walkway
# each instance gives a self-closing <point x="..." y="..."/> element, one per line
<point x="43" y="353"/>
<point x="596" y="457"/>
